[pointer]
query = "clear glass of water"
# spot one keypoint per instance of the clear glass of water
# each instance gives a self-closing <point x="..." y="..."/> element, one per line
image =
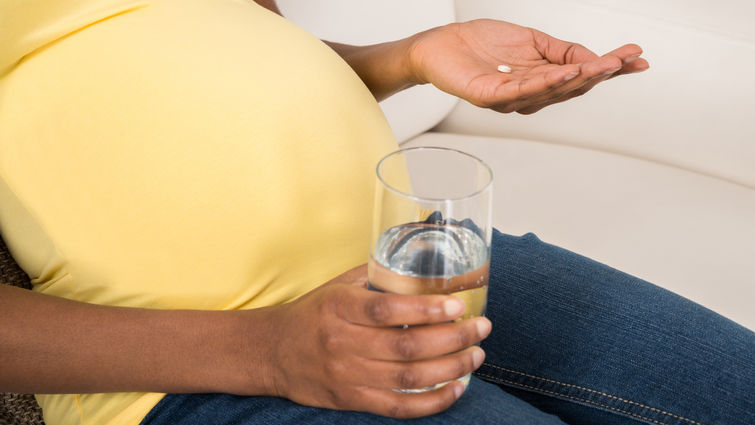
<point x="431" y="228"/>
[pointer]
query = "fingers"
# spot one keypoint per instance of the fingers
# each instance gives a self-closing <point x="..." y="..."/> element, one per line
<point x="345" y="349"/>
<point x="626" y="53"/>
<point x="426" y="373"/>
<point x="564" y="52"/>
<point x="580" y="87"/>
<point x="551" y="84"/>
<point x="511" y="89"/>
<point x="423" y="342"/>
<point x="624" y="60"/>
<point x="561" y="52"/>
<point x="408" y="405"/>
<point x="409" y="375"/>
<point x="631" y="63"/>
<point x="371" y="308"/>
<point x="634" y="65"/>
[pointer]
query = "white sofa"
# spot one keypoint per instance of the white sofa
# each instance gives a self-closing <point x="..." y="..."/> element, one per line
<point x="653" y="174"/>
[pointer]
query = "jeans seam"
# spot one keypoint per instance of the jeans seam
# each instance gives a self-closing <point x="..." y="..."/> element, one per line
<point x="552" y="381"/>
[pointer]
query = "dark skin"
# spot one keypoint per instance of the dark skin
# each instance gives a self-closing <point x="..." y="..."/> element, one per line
<point x="306" y="350"/>
<point x="463" y="59"/>
<point x="309" y="350"/>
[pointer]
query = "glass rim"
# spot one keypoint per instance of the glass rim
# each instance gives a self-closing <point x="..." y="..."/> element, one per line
<point x="485" y="187"/>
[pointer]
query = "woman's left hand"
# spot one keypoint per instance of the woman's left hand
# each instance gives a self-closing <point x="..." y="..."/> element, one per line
<point x="463" y="59"/>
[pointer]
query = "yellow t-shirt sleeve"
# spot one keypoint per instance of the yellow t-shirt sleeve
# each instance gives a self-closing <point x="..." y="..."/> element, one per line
<point x="28" y="25"/>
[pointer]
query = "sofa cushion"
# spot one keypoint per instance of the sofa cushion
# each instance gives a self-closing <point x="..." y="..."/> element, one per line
<point x="366" y="22"/>
<point x="689" y="233"/>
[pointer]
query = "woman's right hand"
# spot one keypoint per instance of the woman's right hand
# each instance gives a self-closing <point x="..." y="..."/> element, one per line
<point x="343" y="347"/>
<point x="340" y="346"/>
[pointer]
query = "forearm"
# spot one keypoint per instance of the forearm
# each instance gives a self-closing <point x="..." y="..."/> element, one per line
<point x="384" y="67"/>
<point x="52" y="345"/>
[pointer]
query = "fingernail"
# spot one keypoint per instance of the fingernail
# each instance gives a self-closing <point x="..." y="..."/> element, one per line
<point x="452" y="307"/>
<point x="631" y="58"/>
<point x="477" y="357"/>
<point x="483" y="327"/>
<point x="458" y="390"/>
<point x="570" y="75"/>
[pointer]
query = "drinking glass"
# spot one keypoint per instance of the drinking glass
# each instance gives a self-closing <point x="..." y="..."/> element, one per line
<point x="431" y="228"/>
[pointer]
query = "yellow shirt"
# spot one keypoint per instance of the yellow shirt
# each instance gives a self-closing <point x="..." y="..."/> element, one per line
<point x="201" y="154"/>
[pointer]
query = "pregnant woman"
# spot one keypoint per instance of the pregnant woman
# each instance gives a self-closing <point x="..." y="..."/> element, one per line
<point x="189" y="185"/>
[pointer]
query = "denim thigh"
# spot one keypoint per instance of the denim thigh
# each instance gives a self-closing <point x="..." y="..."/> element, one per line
<point x="483" y="403"/>
<point x="597" y="346"/>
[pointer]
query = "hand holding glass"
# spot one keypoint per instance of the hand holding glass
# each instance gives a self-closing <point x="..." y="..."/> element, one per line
<point x="431" y="228"/>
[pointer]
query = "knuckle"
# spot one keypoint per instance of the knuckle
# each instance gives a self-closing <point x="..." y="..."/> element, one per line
<point x="571" y="52"/>
<point x="407" y="378"/>
<point x="463" y="367"/>
<point x="334" y="397"/>
<point x="378" y="310"/>
<point x="334" y="369"/>
<point x="331" y="303"/>
<point x="329" y="340"/>
<point x="405" y="346"/>
<point x="528" y="111"/>
<point x="398" y="410"/>
<point x="463" y="338"/>
<point x="325" y="339"/>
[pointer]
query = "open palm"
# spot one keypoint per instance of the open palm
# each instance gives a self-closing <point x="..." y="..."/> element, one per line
<point x="463" y="59"/>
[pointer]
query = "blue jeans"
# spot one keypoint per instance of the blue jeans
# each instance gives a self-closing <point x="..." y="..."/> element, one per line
<point x="573" y="341"/>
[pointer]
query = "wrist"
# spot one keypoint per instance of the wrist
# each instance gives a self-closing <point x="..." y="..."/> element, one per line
<point x="210" y="352"/>
<point x="412" y="61"/>
<point x="408" y="67"/>
<point x="385" y="68"/>
<point x="417" y="52"/>
<point x="241" y="361"/>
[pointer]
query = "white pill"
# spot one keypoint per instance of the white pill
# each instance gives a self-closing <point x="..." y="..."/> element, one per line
<point x="504" y="68"/>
